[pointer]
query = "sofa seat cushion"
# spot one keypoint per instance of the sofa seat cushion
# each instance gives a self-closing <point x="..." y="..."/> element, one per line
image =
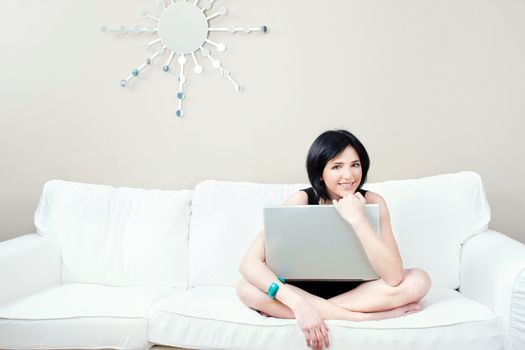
<point x="80" y="316"/>
<point x="214" y="318"/>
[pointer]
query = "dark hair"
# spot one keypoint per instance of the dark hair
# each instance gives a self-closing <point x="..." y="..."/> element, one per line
<point x="325" y="147"/>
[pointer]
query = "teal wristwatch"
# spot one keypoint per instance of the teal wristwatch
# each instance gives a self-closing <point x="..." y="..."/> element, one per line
<point x="274" y="287"/>
<point x="272" y="290"/>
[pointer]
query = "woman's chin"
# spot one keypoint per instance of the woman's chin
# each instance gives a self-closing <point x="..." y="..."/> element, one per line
<point x="344" y="192"/>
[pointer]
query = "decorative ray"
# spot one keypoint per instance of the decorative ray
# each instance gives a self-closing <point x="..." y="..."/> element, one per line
<point x="124" y="30"/>
<point x="198" y="67"/>
<point x="167" y="67"/>
<point x="226" y="74"/>
<point x="206" y="4"/>
<point x="148" y="15"/>
<point x="182" y="79"/>
<point x="218" y="46"/>
<point x="136" y="71"/>
<point x="246" y="30"/>
<point x="150" y="44"/>
<point x="222" y="12"/>
<point x="217" y="65"/>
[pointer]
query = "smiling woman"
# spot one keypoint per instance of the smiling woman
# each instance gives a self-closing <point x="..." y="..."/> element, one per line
<point x="337" y="165"/>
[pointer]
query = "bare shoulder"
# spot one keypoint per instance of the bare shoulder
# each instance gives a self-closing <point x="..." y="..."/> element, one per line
<point x="374" y="198"/>
<point x="298" y="198"/>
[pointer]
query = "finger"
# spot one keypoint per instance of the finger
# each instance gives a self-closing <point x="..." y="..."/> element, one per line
<point x="313" y="339"/>
<point x="307" y="337"/>
<point x="324" y="332"/>
<point x="320" y="338"/>
<point x="360" y="196"/>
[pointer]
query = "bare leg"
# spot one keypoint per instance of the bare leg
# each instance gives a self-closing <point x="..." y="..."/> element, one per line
<point x="321" y="303"/>
<point x="258" y="300"/>
<point x="377" y="295"/>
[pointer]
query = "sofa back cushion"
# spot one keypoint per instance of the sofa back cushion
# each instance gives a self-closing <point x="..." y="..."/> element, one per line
<point x="431" y="217"/>
<point x="225" y="218"/>
<point x="117" y="236"/>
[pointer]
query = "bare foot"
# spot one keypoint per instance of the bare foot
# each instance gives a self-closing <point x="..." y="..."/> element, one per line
<point x="393" y="313"/>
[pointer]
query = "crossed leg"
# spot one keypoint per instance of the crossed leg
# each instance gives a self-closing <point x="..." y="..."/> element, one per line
<point x="340" y="307"/>
<point x="377" y="295"/>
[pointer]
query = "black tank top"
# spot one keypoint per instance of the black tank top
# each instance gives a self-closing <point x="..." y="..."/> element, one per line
<point x="313" y="198"/>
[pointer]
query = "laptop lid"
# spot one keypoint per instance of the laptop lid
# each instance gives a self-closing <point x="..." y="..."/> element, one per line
<point x="313" y="242"/>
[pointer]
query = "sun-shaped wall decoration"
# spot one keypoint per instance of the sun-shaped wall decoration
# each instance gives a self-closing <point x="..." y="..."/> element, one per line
<point x="183" y="29"/>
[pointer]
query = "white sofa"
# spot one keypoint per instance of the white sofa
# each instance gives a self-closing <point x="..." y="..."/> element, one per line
<point x="129" y="268"/>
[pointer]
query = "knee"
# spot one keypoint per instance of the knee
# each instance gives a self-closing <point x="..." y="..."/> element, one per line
<point x="242" y="289"/>
<point x="418" y="284"/>
<point x="249" y="294"/>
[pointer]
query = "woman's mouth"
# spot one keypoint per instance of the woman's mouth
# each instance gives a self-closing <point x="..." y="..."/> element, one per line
<point x="346" y="185"/>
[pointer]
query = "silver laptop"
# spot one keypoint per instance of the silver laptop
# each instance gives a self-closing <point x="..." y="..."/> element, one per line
<point x="313" y="242"/>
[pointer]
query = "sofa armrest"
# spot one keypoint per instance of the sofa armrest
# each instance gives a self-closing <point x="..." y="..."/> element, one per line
<point x="28" y="263"/>
<point x="493" y="273"/>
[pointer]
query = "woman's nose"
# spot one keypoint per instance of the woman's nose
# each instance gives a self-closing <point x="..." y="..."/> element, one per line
<point x="347" y="174"/>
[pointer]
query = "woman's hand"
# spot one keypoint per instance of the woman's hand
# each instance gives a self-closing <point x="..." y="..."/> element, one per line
<point x="351" y="208"/>
<point x="312" y="325"/>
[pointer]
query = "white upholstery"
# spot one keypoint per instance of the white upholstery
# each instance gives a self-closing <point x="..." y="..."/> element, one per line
<point x="214" y="318"/>
<point x="432" y="216"/>
<point x="493" y="273"/>
<point x="80" y="316"/>
<point x="110" y="268"/>
<point x="27" y="264"/>
<point x="225" y="218"/>
<point x="117" y="236"/>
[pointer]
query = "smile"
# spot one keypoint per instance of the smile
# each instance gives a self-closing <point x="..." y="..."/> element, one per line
<point x="346" y="185"/>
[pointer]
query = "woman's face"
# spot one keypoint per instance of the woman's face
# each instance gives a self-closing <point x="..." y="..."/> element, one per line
<point x="342" y="174"/>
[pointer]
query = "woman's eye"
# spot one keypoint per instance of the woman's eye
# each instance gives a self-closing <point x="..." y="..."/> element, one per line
<point x="356" y="165"/>
<point x="336" y="167"/>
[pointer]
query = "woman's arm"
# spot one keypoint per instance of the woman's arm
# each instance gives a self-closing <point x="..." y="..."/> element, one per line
<point x="382" y="251"/>
<point x="254" y="269"/>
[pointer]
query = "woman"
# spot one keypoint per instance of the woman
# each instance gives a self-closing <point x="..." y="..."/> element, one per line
<point x="337" y="166"/>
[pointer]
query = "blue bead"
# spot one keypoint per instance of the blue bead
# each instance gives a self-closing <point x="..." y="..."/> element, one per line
<point x="179" y="113"/>
<point x="180" y="95"/>
<point x="135" y="72"/>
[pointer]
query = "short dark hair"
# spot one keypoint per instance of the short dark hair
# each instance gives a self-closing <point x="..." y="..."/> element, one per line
<point x="325" y="147"/>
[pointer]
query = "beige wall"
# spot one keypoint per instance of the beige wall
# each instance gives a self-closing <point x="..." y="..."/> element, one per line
<point x="429" y="86"/>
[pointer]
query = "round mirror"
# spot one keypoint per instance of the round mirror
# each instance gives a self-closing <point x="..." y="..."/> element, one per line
<point x="183" y="27"/>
